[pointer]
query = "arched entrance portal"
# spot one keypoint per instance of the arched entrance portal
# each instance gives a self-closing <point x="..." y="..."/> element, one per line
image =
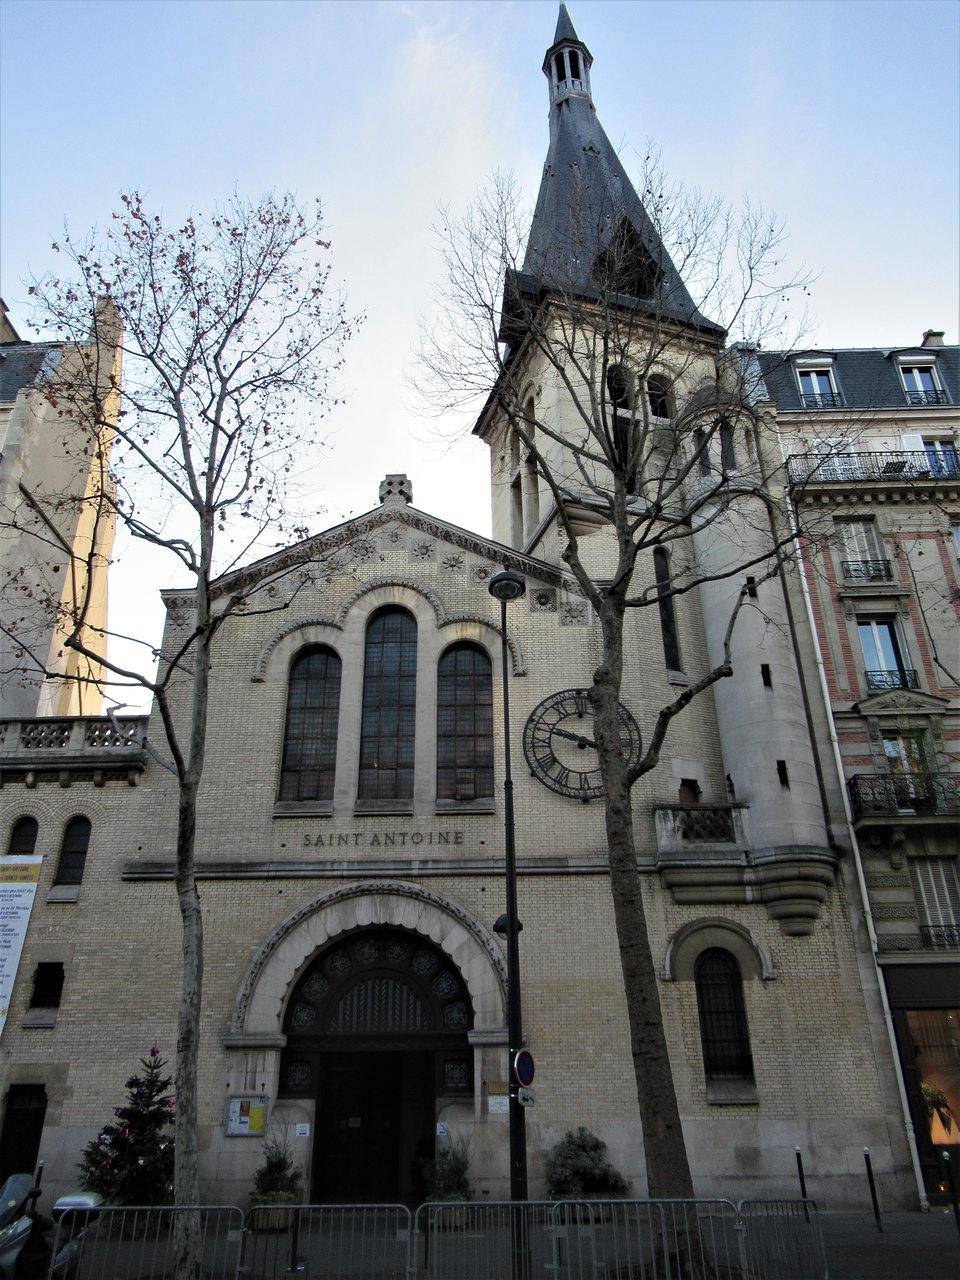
<point x="376" y="1030"/>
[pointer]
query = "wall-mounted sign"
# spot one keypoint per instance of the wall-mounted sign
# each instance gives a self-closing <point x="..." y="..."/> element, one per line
<point x="246" y="1115"/>
<point x="18" y="888"/>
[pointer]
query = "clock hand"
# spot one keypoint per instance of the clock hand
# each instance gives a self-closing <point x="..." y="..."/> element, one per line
<point x="578" y="738"/>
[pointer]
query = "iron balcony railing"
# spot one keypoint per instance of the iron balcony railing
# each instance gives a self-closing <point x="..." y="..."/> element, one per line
<point x="902" y="678"/>
<point x="866" y="570"/>
<point x="852" y="468"/>
<point x="822" y="400"/>
<point x="904" y="795"/>
<point x="927" y="397"/>
<point x="940" y="937"/>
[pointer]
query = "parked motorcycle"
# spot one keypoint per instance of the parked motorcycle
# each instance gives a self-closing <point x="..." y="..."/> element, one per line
<point x="28" y="1240"/>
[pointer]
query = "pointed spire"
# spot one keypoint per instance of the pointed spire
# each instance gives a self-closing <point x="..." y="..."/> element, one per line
<point x="568" y="61"/>
<point x="590" y="231"/>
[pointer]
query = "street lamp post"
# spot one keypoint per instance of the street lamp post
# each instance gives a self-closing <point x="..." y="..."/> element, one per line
<point x="506" y="586"/>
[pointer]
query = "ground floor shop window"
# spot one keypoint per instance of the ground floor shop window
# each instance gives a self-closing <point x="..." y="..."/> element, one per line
<point x="936" y="1045"/>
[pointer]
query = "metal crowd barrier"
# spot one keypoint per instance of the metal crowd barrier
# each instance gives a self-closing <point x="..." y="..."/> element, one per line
<point x="538" y="1240"/>
<point x="129" y="1243"/>
<point x="328" y="1242"/>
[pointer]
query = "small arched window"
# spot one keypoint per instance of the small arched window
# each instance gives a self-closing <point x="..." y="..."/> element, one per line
<point x="73" y="851"/>
<point x="728" y="457"/>
<point x="702" y="450"/>
<point x="310" y="733"/>
<point x="668" y="619"/>
<point x="464" y="724"/>
<point x="724" y="1036"/>
<point x="23" y="838"/>
<point x="389" y="708"/>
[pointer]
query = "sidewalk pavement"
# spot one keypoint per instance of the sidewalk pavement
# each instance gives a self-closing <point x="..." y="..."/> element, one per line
<point x="911" y="1246"/>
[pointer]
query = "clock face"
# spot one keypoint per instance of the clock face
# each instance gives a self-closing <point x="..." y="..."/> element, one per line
<point x="559" y="745"/>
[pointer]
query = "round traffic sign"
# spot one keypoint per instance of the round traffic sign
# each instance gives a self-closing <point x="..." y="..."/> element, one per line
<point x="523" y="1068"/>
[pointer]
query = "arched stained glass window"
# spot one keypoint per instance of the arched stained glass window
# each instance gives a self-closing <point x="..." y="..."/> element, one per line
<point x="310" y="735"/>
<point x="389" y="707"/>
<point x="723" y="1018"/>
<point x="73" y="851"/>
<point x="23" y="838"/>
<point x="464" y="724"/>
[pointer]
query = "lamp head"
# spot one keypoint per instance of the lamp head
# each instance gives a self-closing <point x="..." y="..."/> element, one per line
<point x="507" y="585"/>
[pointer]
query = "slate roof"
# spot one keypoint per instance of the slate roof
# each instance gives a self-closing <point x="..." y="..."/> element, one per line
<point x="20" y="363"/>
<point x="586" y="200"/>
<point x="866" y="378"/>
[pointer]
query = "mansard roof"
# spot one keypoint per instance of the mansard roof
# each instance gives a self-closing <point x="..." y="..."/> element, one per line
<point x="865" y="378"/>
<point x="589" y="223"/>
<point x="20" y="366"/>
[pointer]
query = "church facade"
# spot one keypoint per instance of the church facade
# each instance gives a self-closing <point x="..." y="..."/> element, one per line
<point x="351" y="831"/>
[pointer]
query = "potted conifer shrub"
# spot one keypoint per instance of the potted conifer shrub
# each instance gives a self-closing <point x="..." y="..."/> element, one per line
<point x="276" y="1185"/>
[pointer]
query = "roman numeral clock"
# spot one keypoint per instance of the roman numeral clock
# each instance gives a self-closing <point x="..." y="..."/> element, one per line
<point x="559" y="744"/>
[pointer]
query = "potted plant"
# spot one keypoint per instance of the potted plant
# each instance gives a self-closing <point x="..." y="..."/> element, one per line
<point x="446" y="1178"/>
<point x="276" y="1183"/>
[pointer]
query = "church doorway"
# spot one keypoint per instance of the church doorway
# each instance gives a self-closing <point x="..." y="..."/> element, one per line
<point x="376" y="1031"/>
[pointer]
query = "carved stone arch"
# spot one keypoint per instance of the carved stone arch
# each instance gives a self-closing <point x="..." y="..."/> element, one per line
<point x="699" y="935"/>
<point x="398" y="591"/>
<point x="261" y="999"/>
<point x="283" y="644"/>
<point x="473" y="627"/>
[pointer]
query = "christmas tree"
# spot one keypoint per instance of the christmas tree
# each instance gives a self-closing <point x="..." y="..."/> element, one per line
<point x="131" y="1160"/>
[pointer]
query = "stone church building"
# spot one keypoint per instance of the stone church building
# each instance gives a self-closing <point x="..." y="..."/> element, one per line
<point x="351" y="833"/>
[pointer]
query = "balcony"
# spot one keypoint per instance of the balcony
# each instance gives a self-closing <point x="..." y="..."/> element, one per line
<point x="97" y="748"/>
<point x="698" y="829"/>
<point x="875" y="466"/>
<point x="902" y="678"/>
<point x="822" y="400"/>
<point x="930" y="396"/>
<point x="940" y="937"/>
<point x="920" y="795"/>
<point x="866" y="570"/>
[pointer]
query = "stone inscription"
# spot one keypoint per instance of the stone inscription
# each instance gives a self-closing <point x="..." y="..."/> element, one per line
<point x="382" y="839"/>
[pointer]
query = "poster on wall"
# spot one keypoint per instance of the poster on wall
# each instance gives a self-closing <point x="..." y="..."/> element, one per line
<point x="246" y="1115"/>
<point x="18" y="887"/>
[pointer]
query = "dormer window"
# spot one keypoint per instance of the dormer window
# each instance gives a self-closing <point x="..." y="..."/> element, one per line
<point x="817" y="388"/>
<point x="921" y="384"/>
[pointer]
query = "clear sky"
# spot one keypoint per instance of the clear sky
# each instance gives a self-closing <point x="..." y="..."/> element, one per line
<point x="840" y="115"/>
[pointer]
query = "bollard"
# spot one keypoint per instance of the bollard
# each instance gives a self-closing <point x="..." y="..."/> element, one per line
<point x="951" y="1184"/>
<point x="873" y="1188"/>
<point x="803" y="1185"/>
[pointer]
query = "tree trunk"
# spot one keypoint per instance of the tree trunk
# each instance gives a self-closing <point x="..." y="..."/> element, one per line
<point x="186" y="1171"/>
<point x="668" y="1171"/>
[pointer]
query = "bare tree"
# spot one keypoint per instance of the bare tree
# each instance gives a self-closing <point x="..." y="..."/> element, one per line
<point x="230" y="333"/>
<point x="643" y="454"/>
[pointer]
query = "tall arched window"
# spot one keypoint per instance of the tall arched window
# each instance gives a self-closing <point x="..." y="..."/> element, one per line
<point x="621" y="420"/>
<point x="464" y="724"/>
<point x="668" y="619"/>
<point x="618" y="388"/>
<point x="73" y="851"/>
<point x="658" y="393"/>
<point x="310" y="734"/>
<point x="23" y="838"/>
<point x="723" y="1019"/>
<point x="389" y="708"/>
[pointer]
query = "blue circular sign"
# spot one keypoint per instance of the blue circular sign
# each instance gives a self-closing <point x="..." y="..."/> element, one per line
<point x="523" y="1067"/>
